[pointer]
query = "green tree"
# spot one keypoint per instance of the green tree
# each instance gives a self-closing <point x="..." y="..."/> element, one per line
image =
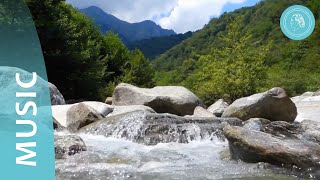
<point x="139" y="70"/>
<point x="81" y="61"/>
<point x="231" y="72"/>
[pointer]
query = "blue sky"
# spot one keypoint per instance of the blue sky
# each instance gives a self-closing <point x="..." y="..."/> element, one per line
<point x="179" y="15"/>
<point x="231" y="7"/>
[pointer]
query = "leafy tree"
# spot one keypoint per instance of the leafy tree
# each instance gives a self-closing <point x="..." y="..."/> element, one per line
<point x="231" y="72"/>
<point x="139" y="70"/>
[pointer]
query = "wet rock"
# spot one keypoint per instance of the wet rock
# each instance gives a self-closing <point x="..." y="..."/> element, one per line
<point x="126" y="109"/>
<point x="308" y="108"/>
<point x="311" y="131"/>
<point x="68" y="145"/>
<point x="166" y="99"/>
<point x="150" y="129"/>
<point x="218" y="107"/>
<point x="254" y="146"/>
<point x="201" y="112"/>
<point x="274" y="105"/>
<point x="283" y="130"/>
<point x="55" y="95"/>
<point x="255" y="124"/>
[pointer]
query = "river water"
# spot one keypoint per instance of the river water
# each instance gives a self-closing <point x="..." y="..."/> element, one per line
<point x="111" y="158"/>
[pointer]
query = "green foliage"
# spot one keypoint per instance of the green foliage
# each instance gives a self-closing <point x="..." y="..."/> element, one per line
<point x="154" y="47"/>
<point x="82" y="62"/>
<point x="231" y="72"/>
<point x="139" y="70"/>
<point x="238" y="68"/>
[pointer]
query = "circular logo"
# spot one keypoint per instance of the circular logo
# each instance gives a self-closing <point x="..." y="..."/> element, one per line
<point x="297" y="22"/>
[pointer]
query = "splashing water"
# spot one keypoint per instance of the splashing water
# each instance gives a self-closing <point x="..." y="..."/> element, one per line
<point x="111" y="158"/>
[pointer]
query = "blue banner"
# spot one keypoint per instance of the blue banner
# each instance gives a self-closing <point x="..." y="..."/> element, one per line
<point x="26" y="126"/>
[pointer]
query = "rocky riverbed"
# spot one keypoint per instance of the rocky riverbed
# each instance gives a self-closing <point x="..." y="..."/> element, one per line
<point x="168" y="133"/>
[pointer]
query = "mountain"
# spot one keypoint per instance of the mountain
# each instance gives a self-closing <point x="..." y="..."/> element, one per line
<point x="128" y="32"/>
<point x="156" y="46"/>
<point x="293" y="65"/>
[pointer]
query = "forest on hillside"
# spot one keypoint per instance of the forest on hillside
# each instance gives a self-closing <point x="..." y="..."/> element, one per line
<point x="235" y="55"/>
<point x="81" y="61"/>
<point x="242" y="53"/>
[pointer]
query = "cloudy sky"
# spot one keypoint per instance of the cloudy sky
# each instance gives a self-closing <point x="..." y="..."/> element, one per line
<point x="179" y="15"/>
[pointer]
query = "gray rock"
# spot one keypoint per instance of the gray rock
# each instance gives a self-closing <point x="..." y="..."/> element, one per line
<point x="68" y="145"/>
<point x="317" y="93"/>
<point x="218" y="107"/>
<point x="274" y="105"/>
<point x="283" y="130"/>
<point x="126" y="109"/>
<point x="75" y="116"/>
<point x="9" y="86"/>
<point x="167" y="99"/>
<point x="311" y="131"/>
<point x="80" y="115"/>
<point x="255" y="124"/>
<point x="101" y="108"/>
<point x="56" y="125"/>
<point x="55" y="95"/>
<point x="254" y="146"/>
<point x="201" y="112"/>
<point x="150" y="128"/>
<point x="108" y="100"/>
<point x="308" y="108"/>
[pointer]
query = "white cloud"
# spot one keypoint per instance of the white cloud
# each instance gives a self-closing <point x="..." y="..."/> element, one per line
<point x="179" y="15"/>
<point x="193" y="14"/>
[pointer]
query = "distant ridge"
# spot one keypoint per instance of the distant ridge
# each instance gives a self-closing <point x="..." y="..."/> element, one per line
<point x="128" y="32"/>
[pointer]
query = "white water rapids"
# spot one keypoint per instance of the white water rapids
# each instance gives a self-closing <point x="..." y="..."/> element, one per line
<point x="111" y="158"/>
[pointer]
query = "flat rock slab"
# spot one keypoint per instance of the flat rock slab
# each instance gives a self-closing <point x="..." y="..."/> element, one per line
<point x="255" y="146"/>
<point x="150" y="129"/>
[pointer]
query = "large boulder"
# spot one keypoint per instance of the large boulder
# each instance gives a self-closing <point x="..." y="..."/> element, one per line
<point x="274" y="105"/>
<point x="80" y="115"/>
<point x="126" y="109"/>
<point x="255" y="146"/>
<point x="308" y="107"/>
<point x="55" y="95"/>
<point x="167" y="99"/>
<point x="75" y="116"/>
<point x="150" y="129"/>
<point x="218" y="107"/>
<point x="9" y="87"/>
<point x="68" y="145"/>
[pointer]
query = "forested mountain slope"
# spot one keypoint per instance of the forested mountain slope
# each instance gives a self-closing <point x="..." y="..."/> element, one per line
<point x="246" y="38"/>
<point x="81" y="61"/>
<point x="154" y="47"/>
<point x="128" y="32"/>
